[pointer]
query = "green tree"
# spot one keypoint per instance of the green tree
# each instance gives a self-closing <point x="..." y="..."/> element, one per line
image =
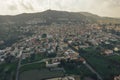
<point x="44" y="35"/>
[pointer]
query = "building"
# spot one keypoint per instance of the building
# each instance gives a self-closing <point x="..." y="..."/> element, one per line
<point x="108" y="52"/>
<point x="117" y="77"/>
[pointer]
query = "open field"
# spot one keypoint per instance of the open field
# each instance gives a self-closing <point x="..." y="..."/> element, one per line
<point x="40" y="74"/>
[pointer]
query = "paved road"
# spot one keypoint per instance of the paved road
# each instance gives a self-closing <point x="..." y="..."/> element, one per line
<point x="34" y="62"/>
<point x="88" y="65"/>
<point x="43" y="60"/>
<point x="92" y="70"/>
<point x="19" y="65"/>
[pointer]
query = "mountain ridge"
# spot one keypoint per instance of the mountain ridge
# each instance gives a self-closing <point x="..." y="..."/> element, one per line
<point x="57" y="16"/>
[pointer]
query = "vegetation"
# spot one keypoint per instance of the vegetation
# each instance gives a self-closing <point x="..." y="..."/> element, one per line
<point x="20" y="28"/>
<point x="8" y="71"/>
<point x="32" y="67"/>
<point x="36" y="57"/>
<point x="44" y="35"/>
<point x="40" y="74"/>
<point x="51" y="55"/>
<point x="76" y="68"/>
<point x="100" y="63"/>
<point x="115" y="59"/>
<point x="11" y="33"/>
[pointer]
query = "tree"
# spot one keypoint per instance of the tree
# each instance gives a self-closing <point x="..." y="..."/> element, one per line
<point x="32" y="57"/>
<point x="9" y="59"/>
<point x="44" y="35"/>
<point x="51" y="55"/>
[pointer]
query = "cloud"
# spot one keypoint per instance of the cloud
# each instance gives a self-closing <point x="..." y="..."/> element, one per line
<point x="26" y="5"/>
<point x="100" y="7"/>
<point x="12" y="7"/>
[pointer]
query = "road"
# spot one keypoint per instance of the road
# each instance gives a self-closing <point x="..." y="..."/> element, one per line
<point x="92" y="70"/>
<point x="88" y="65"/>
<point x="34" y="62"/>
<point x="43" y="60"/>
<point x="19" y="65"/>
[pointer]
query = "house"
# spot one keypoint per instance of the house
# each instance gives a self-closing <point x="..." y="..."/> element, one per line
<point x="69" y="42"/>
<point x="48" y="65"/>
<point x="71" y="54"/>
<point x="117" y="77"/>
<point x="53" y="62"/>
<point x="25" y="55"/>
<point x="116" y="49"/>
<point x="108" y="52"/>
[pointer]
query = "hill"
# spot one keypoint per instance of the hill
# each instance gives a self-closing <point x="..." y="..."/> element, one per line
<point x="11" y="27"/>
<point x="49" y="16"/>
<point x="52" y="16"/>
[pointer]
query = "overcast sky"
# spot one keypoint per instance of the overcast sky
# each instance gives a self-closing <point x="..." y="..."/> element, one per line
<point x="109" y="8"/>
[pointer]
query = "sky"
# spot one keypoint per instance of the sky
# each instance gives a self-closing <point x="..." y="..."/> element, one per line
<point x="108" y="8"/>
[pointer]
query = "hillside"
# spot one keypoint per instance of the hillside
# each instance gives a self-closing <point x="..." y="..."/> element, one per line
<point x="13" y="28"/>
<point x="49" y="16"/>
<point x="52" y="16"/>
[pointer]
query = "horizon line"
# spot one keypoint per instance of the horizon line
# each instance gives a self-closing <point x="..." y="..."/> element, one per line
<point x="12" y="15"/>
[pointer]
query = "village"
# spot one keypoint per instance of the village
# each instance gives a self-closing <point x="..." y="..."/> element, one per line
<point x="53" y="44"/>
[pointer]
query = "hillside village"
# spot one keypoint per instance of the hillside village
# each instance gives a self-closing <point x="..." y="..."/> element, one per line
<point x="67" y="48"/>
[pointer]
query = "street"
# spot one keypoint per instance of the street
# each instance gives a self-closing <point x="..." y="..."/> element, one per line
<point x="19" y="65"/>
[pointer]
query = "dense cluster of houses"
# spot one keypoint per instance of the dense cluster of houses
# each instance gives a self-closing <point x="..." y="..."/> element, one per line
<point x="54" y="40"/>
